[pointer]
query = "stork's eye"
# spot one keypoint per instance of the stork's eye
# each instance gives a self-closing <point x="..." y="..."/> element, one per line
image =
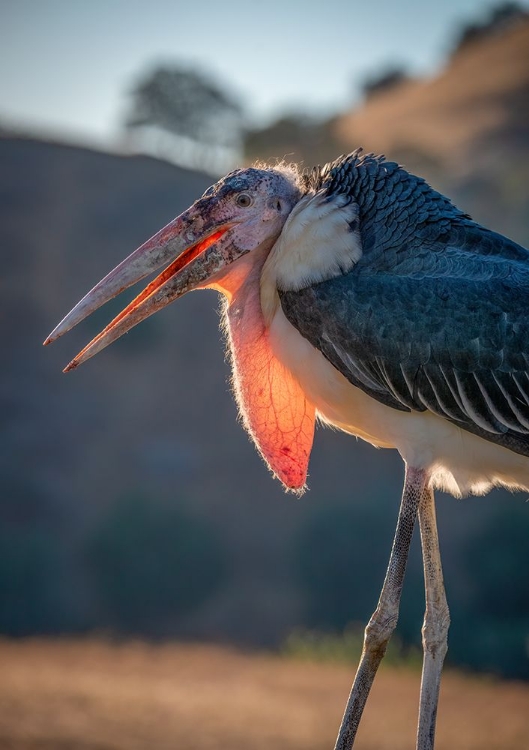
<point x="244" y="200"/>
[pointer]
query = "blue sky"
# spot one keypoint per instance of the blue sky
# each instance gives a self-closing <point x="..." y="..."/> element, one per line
<point x="66" y="65"/>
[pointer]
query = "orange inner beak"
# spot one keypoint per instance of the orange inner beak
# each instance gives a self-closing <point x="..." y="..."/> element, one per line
<point x="172" y="269"/>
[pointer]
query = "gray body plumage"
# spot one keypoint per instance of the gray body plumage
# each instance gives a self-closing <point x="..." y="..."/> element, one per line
<point x="434" y="314"/>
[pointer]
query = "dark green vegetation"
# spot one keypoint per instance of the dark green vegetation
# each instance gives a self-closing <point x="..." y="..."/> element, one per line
<point x="150" y="563"/>
<point x="486" y="576"/>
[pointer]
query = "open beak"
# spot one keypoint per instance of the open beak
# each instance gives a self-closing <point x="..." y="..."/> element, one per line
<point x="188" y="244"/>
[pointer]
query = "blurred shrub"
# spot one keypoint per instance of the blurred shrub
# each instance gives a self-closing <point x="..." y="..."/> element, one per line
<point x="384" y="81"/>
<point x="498" y="17"/>
<point x="294" y="137"/>
<point x="150" y="562"/>
<point x="346" y="647"/>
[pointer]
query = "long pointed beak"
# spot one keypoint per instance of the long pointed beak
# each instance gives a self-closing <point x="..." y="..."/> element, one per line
<point x="197" y="258"/>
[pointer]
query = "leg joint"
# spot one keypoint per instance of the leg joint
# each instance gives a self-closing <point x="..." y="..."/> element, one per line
<point x="379" y="631"/>
<point x="435" y="631"/>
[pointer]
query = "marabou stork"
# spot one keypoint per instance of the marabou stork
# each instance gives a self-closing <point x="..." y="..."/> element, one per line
<point x="358" y="295"/>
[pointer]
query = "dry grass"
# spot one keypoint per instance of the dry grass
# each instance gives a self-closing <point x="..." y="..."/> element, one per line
<point x="91" y="695"/>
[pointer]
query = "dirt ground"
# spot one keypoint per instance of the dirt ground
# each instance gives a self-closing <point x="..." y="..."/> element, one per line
<point x="92" y="695"/>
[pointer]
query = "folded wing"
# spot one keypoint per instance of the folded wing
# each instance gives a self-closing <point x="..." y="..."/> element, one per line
<point x="443" y="327"/>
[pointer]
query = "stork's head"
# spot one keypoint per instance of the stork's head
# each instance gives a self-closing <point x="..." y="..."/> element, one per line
<point x="241" y="214"/>
<point x="224" y="241"/>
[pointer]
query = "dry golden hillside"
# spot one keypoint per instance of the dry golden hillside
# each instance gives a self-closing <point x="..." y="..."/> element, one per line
<point x="90" y="695"/>
<point x="480" y="98"/>
<point x="466" y="130"/>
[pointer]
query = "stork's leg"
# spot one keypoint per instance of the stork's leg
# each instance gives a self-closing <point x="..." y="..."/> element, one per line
<point x="383" y="621"/>
<point x="436" y="622"/>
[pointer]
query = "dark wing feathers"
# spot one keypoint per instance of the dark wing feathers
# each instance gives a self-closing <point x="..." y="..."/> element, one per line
<point x="446" y="330"/>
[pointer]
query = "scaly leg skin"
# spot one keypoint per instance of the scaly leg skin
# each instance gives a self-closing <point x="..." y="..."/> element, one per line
<point x="436" y="622"/>
<point x="384" y="619"/>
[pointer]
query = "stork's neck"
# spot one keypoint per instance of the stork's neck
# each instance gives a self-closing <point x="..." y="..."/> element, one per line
<point x="272" y="404"/>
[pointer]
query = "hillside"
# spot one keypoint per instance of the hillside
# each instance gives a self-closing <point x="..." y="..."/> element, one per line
<point x="474" y="111"/>
<point x="466" y="130"/>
